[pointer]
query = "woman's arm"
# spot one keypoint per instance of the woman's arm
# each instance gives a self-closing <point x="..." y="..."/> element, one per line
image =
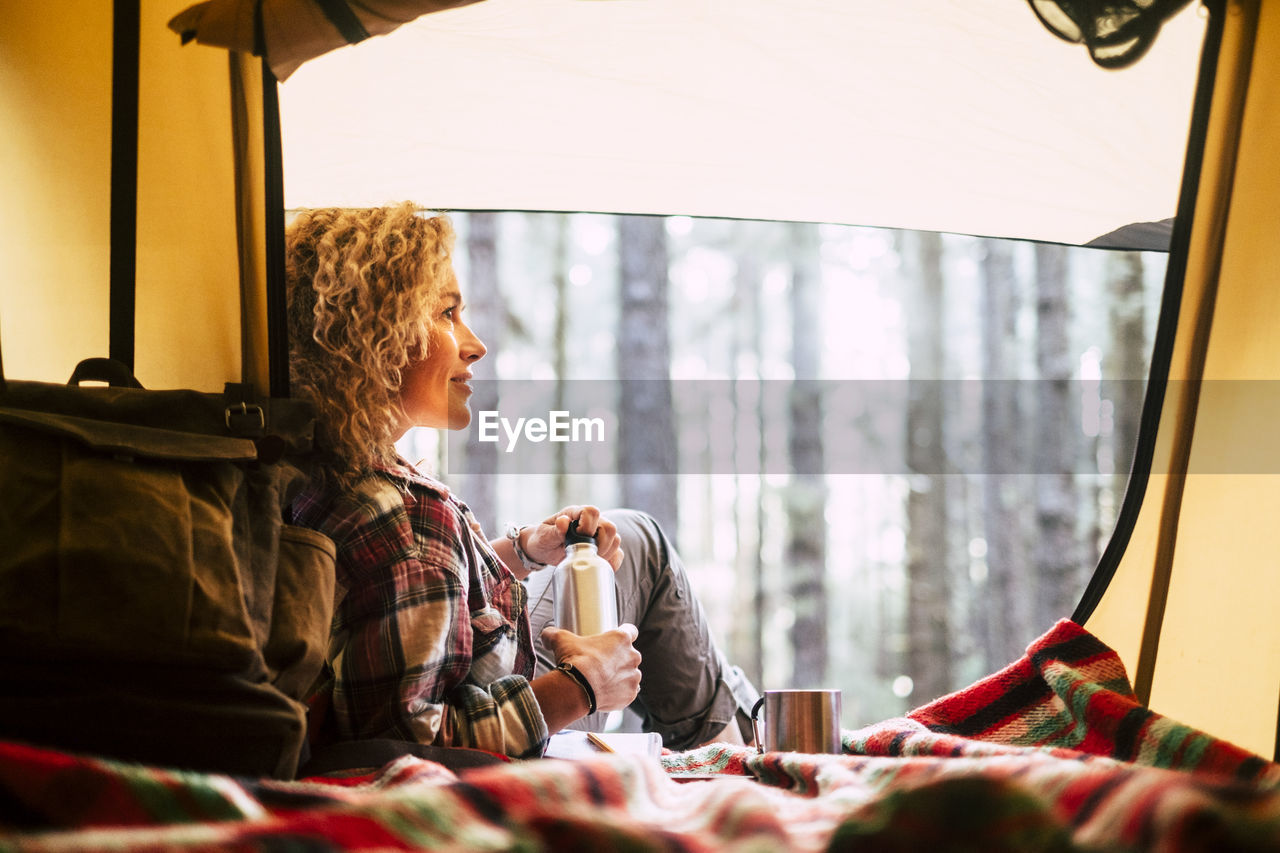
<point x="609" y="662"/>
<point x="561" y="699"/>
<point x="412" y="659"/>
<point x="505" y="548"/>
<point x="543" y="543"/>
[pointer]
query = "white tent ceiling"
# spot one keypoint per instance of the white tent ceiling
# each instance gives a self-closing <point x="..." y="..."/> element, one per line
<point x="964" y="116"/>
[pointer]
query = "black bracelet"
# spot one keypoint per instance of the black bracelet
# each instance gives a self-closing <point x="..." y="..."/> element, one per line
<point x="574" y="673"/>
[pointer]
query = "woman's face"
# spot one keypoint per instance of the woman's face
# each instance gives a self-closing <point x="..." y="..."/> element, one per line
<point x="434" y="391"/>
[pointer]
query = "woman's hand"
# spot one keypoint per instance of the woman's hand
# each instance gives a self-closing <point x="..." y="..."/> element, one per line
<point x="544" y="541"/>
<point x="609" y="662"/>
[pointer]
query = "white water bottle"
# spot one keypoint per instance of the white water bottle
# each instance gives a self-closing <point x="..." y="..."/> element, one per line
<point x="584" y="587"/>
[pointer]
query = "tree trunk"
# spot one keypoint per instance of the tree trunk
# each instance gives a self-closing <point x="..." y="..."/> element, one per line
<point x="560" y="343"/>
<point x="1128" y="362"/>
<point x="751" y="597"/>
<point x="1005" y="609"/>
<point x="928" y="576"/>
<point x="487" y="316"/>
<point x="806" y="496"/>
<point x="1060" y="574"/>
<point x="646" y="431"/>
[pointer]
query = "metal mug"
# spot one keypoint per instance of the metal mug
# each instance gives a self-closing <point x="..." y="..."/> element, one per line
<point x="797" y="721"/>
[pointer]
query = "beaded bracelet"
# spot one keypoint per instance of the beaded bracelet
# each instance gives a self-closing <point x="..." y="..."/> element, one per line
<point x="513" y="533"/>
<point x="574" y="673"/>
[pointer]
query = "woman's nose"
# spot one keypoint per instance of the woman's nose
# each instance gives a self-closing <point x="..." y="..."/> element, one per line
<point x="473" y="349"/>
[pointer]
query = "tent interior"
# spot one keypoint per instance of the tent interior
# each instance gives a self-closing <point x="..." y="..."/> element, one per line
<point x="965" y="119"/>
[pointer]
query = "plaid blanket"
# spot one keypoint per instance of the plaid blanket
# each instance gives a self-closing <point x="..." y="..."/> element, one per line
<point x="1051" y="753"/>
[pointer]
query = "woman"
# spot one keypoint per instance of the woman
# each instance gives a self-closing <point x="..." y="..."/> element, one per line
<point x="432" y="640"/>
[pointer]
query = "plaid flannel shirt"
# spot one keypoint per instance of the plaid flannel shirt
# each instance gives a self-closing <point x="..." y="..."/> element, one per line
<point x="430" y="639"/>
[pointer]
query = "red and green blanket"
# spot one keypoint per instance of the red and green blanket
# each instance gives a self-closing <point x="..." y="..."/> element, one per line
<point x="1051" y="753"/>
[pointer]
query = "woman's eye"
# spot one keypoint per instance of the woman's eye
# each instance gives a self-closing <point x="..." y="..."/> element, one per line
<point x="449" y="312"/>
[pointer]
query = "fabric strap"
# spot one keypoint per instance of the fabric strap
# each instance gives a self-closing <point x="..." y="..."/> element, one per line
<point x="341" y="16"/>
<point x="124" y="178"/>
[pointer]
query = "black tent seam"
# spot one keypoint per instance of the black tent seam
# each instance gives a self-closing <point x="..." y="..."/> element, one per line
<point x="123" y="265"/>
<point x="1166" y="329"/>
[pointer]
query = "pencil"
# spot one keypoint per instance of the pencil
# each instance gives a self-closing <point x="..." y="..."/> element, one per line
<point x="599" y="742"/>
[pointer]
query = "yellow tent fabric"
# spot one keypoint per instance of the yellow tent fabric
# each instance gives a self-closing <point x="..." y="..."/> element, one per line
<point x="824" y="113"/>
<point x="1192" y="603"/>
<point x="1192" y="607"/>
<point x="55" y="163"/>
<point x="962" y="117"/>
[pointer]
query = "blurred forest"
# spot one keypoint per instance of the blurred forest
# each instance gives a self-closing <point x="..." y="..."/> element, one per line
<point x="889" y="459"/>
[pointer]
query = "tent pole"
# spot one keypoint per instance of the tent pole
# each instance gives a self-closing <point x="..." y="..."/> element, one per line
<point x="1214" y="202"/>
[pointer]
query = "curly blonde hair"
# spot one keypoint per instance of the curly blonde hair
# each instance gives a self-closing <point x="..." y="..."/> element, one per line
<point x="364" y="288"/>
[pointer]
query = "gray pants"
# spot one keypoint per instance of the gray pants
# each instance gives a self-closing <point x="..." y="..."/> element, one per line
<point x="688" y="691"/>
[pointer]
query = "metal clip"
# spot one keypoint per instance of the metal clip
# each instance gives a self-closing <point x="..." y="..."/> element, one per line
<point x="242" y="410"/>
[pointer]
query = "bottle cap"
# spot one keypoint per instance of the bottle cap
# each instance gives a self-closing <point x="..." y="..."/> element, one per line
<point x="573" y="537"/>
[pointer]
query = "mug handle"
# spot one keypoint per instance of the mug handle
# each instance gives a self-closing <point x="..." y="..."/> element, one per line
<point x="757" y="725"/>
